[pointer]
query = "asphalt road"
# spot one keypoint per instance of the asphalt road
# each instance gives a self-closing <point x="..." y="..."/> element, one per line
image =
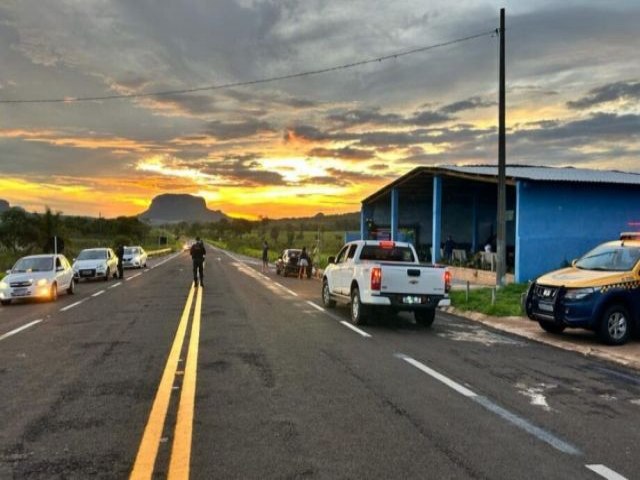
<point x="250" y="377"/>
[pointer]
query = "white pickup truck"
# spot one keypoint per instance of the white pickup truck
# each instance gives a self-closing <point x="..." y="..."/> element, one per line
<point x="373" y="274"/>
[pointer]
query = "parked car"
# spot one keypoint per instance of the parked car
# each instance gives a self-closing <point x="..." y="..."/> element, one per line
<point x="95" y="263"/>
<point x="599" y="292"/>
<point x="287" y="263"/>
<point x="134" y="257"/>
<point x="37" y="276"/>
<point x="373" y="275"/>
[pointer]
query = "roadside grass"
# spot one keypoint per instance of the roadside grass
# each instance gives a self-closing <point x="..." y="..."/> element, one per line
<point x="507" y="300"/>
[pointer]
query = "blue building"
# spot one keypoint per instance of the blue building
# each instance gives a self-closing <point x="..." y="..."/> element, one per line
<point x="553" y="214"/>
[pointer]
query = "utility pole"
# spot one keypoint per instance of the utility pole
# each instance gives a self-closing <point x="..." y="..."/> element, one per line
<point x="501" y="260"/>
<point x="501" y="255"/>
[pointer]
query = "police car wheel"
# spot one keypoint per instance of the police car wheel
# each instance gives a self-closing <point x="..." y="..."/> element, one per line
<point x="614" y="325"/>
<point x="551" y="327"/>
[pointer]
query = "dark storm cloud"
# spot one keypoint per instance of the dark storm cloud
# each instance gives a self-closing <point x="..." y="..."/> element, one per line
<point x="598" y="127"/>
<point x="346" y="153"/>
<point x="468" y="104"/>
<point x="371" y="116"/>
<point x="240" y="129"/>
<point x="608" y="93"/>
<point x="243" y="170"/>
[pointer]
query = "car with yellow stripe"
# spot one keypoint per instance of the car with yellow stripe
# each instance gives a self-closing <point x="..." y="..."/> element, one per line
<point x="599" y="292"/>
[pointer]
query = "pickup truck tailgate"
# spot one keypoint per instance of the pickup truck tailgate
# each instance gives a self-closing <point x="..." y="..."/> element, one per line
<point x="414" y="279"/>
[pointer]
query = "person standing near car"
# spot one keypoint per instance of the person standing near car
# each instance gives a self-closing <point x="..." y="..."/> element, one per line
<point x="198" y="253"/>
<point x="303" y="263"/>
<point x="120" y="255"/>
<point x="265" y="256"/>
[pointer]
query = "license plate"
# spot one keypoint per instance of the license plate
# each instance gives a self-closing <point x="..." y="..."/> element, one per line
<point x="86" y="273"/>
<point x="410" y="299"/>
<point x="20" y="292"/>
<point x="545" y="307"/>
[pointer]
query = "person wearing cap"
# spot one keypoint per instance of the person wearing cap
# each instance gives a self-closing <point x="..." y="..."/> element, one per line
<point x="198" y="253"/>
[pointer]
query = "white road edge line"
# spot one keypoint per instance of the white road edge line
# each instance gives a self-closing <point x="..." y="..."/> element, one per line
<point x="462" y="390"/>
<point x="115" y="285"/>
<point x="510" y="417"/>
<point x="19" y="329"/>
<point x="69" y="307"/>
<point x="134" y="276"/>
<point x="605" y="472"/>
<point x="285" y="288"/>
<point x="97" y="294"/>
<point x="309" y="302"/>
<point x="355" y="329"/>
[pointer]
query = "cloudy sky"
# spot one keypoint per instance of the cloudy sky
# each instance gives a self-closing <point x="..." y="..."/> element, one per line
<point x="309" y="144"/>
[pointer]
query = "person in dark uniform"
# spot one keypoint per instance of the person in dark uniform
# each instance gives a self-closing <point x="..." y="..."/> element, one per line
<point x="198" y="253"/>
<point x="265" y="256"/>
<point x="120" y="255"/>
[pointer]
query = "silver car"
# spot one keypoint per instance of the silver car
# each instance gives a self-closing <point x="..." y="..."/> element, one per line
<point x="37" y="276"/>
<point x="134" y="257"/>
<point x="96" y="263"/>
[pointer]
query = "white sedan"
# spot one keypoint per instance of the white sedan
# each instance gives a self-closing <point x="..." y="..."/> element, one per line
<point x="37" y="276"/>
<point x="134" y="257"/>
<point x="95" y="263"/>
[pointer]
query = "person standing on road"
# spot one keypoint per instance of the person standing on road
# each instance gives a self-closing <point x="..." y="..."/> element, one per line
<point x="449" y="245"/>
<point x="303" y="263"/>
<point x="120" y="255"/>
<point x="198" y="253"/>
<point x="265" y="256"/>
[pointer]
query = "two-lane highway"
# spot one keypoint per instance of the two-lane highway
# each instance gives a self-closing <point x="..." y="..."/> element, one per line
<point x="251" y="378"/>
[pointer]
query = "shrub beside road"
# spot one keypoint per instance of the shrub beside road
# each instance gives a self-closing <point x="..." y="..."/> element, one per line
<point x="507" y="302"/>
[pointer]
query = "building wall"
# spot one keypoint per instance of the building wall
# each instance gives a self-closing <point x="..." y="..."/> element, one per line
<point x="558" y="222"/>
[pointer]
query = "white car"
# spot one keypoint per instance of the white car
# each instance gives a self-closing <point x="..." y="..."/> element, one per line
<point x="134" y="257"/>
<point x="95" y="263"/>
<point x="37" y="276"/>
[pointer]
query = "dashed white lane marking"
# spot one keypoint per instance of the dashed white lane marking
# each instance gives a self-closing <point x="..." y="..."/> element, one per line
<point x="134" y="276"/>
<point x="309" y="302"/>
<point x="115" y="285"/>
<point x="510" y="417"/>
<point x="73" y="305"/>
<point x="355" y="329"/>
<point x="605" y="472"/>
<point x="19" y="329"/>
<point x="97" y="294"/>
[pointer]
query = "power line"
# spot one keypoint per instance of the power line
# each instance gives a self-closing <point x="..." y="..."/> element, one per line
<point x="252" y="82"/>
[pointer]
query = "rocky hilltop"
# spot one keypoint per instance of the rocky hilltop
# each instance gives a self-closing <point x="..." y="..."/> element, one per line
<point x="175" y="208"/>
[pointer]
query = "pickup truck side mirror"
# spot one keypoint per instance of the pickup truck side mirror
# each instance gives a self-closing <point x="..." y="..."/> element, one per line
<point x="331" y="259"/>
<point x="573" y="262"/>
<point x="8" y="272"/>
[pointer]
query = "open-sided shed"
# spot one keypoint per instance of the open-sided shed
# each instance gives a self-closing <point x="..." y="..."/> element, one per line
<point x="553" y="214"/>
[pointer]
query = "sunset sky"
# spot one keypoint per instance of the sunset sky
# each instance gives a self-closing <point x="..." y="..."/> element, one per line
<point x="312" y="144"/>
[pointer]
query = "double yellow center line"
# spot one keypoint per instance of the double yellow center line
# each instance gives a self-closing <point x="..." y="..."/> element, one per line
<point x="181" y="447"/>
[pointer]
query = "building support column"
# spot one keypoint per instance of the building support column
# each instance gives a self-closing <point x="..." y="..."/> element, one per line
<point x="365" y="214"/>
<point x="394" y="214"/>
<point x="519" y="186"/>
<point x="474" y="224"/>
<point x="437" y="219"/>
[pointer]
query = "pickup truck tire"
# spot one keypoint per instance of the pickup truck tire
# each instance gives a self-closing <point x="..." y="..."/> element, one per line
<point x="614" y="328"/>
<point x="425" y="317"/>
<point x="327" y="301"/>
<point x="551" y="327"/>
<point x="72" y="287"/>
<point x="5" y="302"/>
<point x="359" y="312"/>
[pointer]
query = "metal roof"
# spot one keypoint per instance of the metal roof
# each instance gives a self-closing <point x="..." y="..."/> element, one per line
<point x="489" y="173"/>
<point x="552" y="174"/>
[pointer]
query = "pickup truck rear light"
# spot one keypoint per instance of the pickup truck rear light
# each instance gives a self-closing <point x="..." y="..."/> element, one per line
<point x="447" y="281"/>
<point x="376" y="278"/>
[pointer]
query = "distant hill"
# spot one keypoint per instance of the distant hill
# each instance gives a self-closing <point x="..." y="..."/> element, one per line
<point x="4" y="206"/>
<point x="175" y="208"/>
